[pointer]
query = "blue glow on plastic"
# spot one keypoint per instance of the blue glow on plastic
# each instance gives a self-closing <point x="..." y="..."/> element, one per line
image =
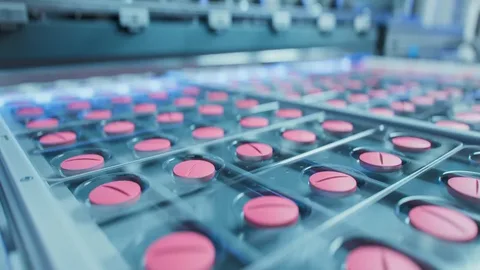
<point x="413" y="51"/>
<point x="43" y="98"/>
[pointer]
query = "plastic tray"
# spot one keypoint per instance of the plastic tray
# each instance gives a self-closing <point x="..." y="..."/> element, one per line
<point x="118" y="201"/>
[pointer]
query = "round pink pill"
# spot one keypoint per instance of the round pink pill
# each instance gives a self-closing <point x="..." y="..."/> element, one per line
<point x="191" y="91"/>
<point x="180" y="251"/>
<point x="185" y="102"/>
<point x="380" y="161"/>
<point x="443" y="223"/>
<point x="468" y="117"/>
<point x="58" y="138"/>
<point x="84" y="162"/>
<point x="116" y="192"/>
<point x="465" y="187"/>
<point x="145" y="108"/>
<point x="299" y="136"/>
<point x="312" y="90"/>
<point x="382" y="111"/>
<point x="403" y="106"/>
<point x="217" y="96"/>
<point x="452" y="125"/>
<point x="30" y="111"/>
<point x="246" y="103"/>
<point x="476" y="107"/>
<point x="43" y="123"/>
<point x="337" y="126"/>
<point x="439" y="95"/>
<point x="423" y="101"/>
<point x="211" y="110"/>
<point x="271" y="212"/>
<point x="208" y="133"/>
<point x="79" y="106"/>
<point x="398" y="89"/>
<point x="337" y="103"/>
<point x="254" y="122"/>
<point x="333" y="182"/>
<point x="379" y="93"/>
<point x="373" y="257"/>
<point x="153" y="145"/>
<point x="358" y="98"/>
<point x="254" y="151"/>
<point x="170" y="117"/>
<point x="336" y="88"/>
<point x="119" y="127"/>
<point x="158" y="96"/>
<point x="412" y="144"/>
<point x="98" y="115"/>
<point x="122" y="100"/>
<point x="289" y="113"/>
<point x="195" y="169"/>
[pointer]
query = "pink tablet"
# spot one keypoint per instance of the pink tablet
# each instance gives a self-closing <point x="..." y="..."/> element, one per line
<point x="185" y="102"/>
<point x="211" y="110"/>
<point x="158" y="96"/>
<point x="30" y="111"/>
<point x="119" y="128"/>
<point x="122" y="100"/>
<point x="195" y="169"/>
<point x="58" y="138"/>
<point x="465" y="187"/>
<point x="208" y="133"/>
<point x="337" y="103"/>
<point x="380" y="161"/>
<point x="153" y="145"/>
<point x="452" y="125"/>
<point x="289" y="113"/>
<point x="254" y="122"/>
<point x="217" y="96"/>
<point x="180" y="251"/>
<point x="116" y="192"/>
<point x="254" y="151"/>
<point x="79" y="105"/>
<point x="170" y="118"/>
<point x="299" y="136"/>
<point x="374" y="257"/>
<point x="333" y="182"/>
<point x="191" y="91"/>
<point x="145" y="108"/>
<point x="82" y="163"/>
<point x="378" y="93"/>
<point x="358" y="98"/>
<point x="246" y="103"/>
<point x="98" y="115"/>
<point x="43" y="123"/>
<point x="337" y="126"/>
<point x="423" y="101"/>
<point x="403" y="106"/>
<point x="271" y="212"/>
<point x="443" y="223"/>
<point x="382" y="111"/>
<point x="468" y="117"/>
<point x="412" y="144"/>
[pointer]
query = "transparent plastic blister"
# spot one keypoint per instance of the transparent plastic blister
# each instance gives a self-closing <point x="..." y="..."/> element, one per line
<point x="254" y="181"/>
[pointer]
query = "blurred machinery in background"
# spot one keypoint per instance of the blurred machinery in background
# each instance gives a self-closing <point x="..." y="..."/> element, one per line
<point x="58" y="31"/>
<point x="426" y="28"/>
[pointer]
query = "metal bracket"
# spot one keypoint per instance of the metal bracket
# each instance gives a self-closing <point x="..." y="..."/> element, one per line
<point x="134" y="19"/>
<point x="363" y="22"/>
<point x="281" y="21"/>
<point x="219" y="19"/>
<point x="13" y="14"/>
<point x="327" y="22"/>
